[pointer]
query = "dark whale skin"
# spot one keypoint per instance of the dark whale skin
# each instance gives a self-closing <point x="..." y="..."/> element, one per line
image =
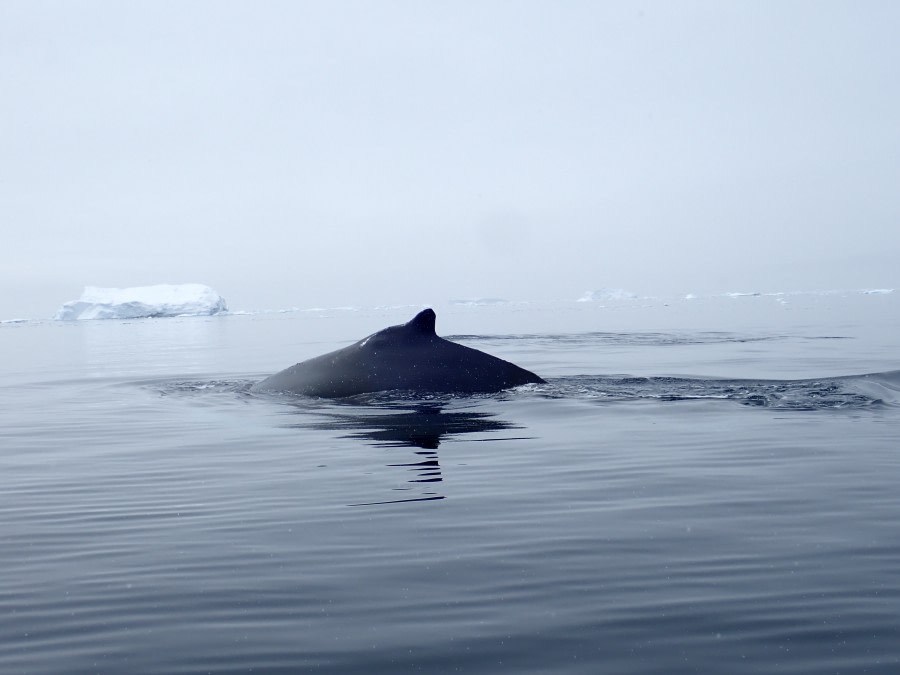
<point x="408" y="357"/>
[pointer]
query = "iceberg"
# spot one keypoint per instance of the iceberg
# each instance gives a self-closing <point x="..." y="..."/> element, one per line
<point x="143" y="301"/>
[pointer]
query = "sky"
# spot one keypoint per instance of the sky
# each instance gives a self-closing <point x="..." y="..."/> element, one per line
<point x="316" y="154"/>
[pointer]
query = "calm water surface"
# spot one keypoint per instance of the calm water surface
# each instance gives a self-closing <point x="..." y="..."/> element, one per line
<point x="702" y="486"/>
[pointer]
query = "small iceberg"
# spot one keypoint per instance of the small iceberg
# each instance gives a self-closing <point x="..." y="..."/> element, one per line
<point x="161" y="300"/>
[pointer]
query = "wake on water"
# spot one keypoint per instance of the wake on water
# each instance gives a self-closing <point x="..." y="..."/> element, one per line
<point x="845" y="392"/>
<point x="811" y="394"/>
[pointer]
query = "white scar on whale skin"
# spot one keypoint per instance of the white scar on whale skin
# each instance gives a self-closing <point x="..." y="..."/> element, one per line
<point x="407" y="357"/>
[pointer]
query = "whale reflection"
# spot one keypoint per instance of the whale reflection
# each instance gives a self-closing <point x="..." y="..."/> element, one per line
<point x="420" y="426"/>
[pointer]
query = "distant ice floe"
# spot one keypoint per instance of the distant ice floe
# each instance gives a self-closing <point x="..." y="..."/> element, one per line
<point x="607" y="294"/>
<point x="162" y="300"/>
<point x="295" y="310"/>
<point x="782" y="296"/>
<point x="480" y="302"/>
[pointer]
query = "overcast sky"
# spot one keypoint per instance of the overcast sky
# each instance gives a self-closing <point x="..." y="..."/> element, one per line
<point x="336" y="153"/>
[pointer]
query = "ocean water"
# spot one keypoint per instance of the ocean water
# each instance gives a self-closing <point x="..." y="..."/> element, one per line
<point x="703" y="485"/>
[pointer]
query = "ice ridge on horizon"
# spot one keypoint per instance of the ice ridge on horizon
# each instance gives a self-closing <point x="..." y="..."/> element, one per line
<point x="165" y="300"/>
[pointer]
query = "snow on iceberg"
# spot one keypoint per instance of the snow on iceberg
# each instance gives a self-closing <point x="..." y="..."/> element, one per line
<point x="143" y="301"/>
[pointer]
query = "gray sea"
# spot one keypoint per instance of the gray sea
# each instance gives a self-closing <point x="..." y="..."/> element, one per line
<point x="703" y="485"/>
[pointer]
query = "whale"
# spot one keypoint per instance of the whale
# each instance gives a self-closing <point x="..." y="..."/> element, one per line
<point x="409" y="357"/>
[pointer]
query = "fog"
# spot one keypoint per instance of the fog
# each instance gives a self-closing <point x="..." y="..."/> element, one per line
<point x="359" y="153"/>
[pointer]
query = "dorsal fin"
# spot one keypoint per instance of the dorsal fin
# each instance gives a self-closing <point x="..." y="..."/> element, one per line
<point x="423" y="322"/>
